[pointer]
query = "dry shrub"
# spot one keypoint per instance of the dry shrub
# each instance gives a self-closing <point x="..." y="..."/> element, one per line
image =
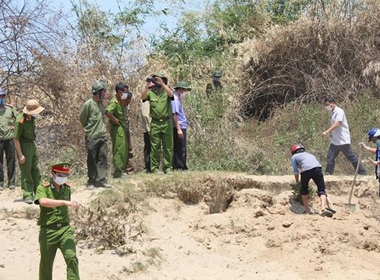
<point x="311" y="59"/>
<point x="108" y="224"/>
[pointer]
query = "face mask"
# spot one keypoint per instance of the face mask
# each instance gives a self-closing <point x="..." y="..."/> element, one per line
<point x="2" y="101"/>
<point x="377" y="143"/>
<point x="36" y="116"/>
<point x="183" y="94"/>
<point x="124" y="96"/>
<point x="60" y="180"/>
<point x="328" y="108"/>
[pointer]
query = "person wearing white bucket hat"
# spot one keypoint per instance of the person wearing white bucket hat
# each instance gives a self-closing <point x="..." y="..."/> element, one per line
<point x="24" y="136"/>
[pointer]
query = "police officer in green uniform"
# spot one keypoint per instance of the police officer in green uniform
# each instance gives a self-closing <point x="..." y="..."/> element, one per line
<point x="115" y="113"/>
<point x="161" y="127"/>
<point x="7" y="118"/>
<point x="24" y="136"/>
<point x="92" y="119"/>
<point x="54" y="198"/>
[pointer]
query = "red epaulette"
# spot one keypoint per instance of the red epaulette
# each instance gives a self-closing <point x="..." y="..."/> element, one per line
<point x="46" y="184"/>
<point x="22" y="120"/>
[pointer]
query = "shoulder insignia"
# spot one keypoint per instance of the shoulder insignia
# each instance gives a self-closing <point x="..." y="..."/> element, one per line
<point x="67" y="184"/>
<point x="22" y="120"/>
<point x="9" y="105"/>
<point x="46" y="184"/>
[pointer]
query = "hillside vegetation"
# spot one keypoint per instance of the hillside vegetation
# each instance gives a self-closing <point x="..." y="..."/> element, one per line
<point x="279" y="60"/>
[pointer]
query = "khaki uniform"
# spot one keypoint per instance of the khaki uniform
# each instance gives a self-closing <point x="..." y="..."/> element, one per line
<point x="92" y="119"/>
<point x="7" y="118"/>
<point x="55" y="232"/>
<point x="145" y="124"/>
<point x="24" y="131"/>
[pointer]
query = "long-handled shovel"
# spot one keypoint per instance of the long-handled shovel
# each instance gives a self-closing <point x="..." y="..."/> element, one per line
<point x="349" y="205"/>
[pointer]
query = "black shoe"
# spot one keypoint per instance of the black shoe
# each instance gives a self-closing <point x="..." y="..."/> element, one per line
<point x="326" y="213"/>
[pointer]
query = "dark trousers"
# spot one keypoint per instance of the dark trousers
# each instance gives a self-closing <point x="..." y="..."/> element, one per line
<point x="334" y="151"/>
<point x="147" y="151"/>
<point x="8" y="147"/>
<point x="180" y="154"/>
<point x="96" y="159"/>
<point x="317" y="176"/>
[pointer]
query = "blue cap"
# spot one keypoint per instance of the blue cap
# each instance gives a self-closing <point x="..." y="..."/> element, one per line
<point x="2" y="92"/>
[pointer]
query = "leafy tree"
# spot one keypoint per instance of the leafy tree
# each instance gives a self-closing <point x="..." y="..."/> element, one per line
<point x="285" y="11"/>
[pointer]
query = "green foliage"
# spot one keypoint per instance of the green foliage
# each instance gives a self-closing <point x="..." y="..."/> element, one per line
<point x="285" y="11"/>
<point x="296" y="188"/>
<point x="206" y="35"/>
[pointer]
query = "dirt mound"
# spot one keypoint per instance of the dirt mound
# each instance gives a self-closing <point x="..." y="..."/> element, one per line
<point x="256" y="231"/>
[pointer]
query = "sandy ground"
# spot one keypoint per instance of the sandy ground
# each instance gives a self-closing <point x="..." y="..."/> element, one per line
<point x="261" y="235"/>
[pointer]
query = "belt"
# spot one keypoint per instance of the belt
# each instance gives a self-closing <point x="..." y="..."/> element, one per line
<point x="56" y="225"/>
<point x="162" y="119"/>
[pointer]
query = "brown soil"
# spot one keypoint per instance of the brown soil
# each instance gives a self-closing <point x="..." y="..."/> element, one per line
<point x="261" y="234"/>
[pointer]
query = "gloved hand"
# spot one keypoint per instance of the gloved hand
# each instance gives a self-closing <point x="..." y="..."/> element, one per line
<point x="363" y="146"/>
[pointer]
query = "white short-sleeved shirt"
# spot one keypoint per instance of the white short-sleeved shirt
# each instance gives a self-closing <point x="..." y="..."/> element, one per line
<point x="341" y="135"/>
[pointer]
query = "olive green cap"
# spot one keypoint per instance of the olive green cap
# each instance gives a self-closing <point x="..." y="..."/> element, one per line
<point x="184" y="85"/>
<point x="217" y="73"/>
<point x="161" y="75"/>
<point x="97" y="86"/>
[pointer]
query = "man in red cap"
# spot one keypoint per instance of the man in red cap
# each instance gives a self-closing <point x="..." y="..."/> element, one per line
<point x="54" y="198"/>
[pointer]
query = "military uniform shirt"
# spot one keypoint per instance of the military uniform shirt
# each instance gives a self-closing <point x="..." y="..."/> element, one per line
<point x="92" y="119"/>
<point x="24" y="128"/>
<point x="160" y="107"/>
<point x="7" y="118"/>
<point x="53" y="215"/>
<point x="117" y="110"/>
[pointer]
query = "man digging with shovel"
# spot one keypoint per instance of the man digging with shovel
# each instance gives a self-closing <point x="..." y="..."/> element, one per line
<point x="310" y="168"/>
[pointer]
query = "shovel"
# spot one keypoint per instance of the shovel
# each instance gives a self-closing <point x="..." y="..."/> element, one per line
<point x="349" y="205"/>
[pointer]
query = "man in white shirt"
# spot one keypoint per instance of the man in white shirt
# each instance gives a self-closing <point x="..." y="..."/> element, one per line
<point x="341" y="139"/>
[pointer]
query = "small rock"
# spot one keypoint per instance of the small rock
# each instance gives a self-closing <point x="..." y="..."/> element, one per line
<point x="286" y="224"/>
<point x="259" y="212"/>
<point x="366" y="227"/>
<point x="270" y="228"/>
<point x="318" y="268"/>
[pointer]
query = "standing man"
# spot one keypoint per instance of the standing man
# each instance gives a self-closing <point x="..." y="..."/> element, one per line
<point x="341" y="139"/>
<point x="7" y="118"/>
<point x="129" y="166"/>
<point x="179" y="127"/>
<point x="216" y="83"/>
<point x="24" y="136"/>
<point x="115" y="113"/>
<point x="92" y="119"/>
<point x="145" y="124"/>
<point x="54" y="198"/>
<point x="161" y="127"/>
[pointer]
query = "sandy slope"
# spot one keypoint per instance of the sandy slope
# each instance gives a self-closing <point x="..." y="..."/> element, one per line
<point x="260" y="236"/>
